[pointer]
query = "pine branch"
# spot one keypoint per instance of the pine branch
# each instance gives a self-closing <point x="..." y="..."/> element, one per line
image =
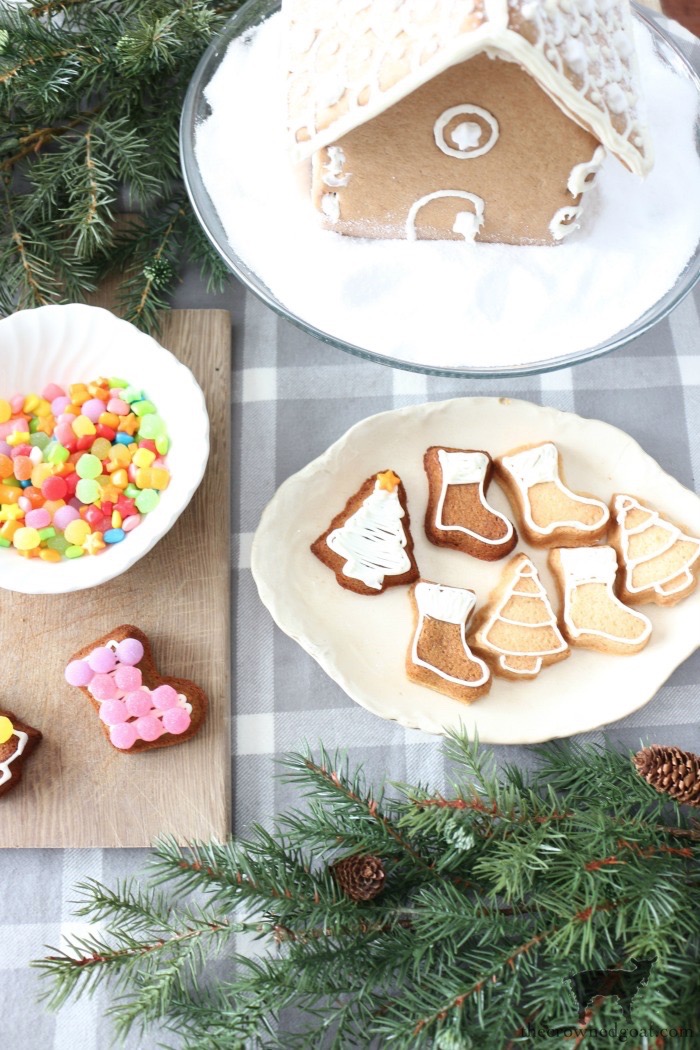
<point x="491" y="900"/>
<point x="90" y="101"/>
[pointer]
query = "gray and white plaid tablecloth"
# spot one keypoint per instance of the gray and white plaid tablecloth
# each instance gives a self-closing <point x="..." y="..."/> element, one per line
<point x="292" y="397"/>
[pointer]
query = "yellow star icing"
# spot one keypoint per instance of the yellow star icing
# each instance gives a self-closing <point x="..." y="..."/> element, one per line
<point x="388" y="480"/>
<point x="93" y="543"/>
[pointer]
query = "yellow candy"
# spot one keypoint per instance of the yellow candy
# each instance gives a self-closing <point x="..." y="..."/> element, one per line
<point x="18" y="437"/>
<point x="83" y="427"/>
<point x="93" y="543"/>
<point x="52" y="505"/>
<point x="109" y="419"/>
<point x="8" y="529"/>
<point x="41" y="472"/>
<point x="143" y="457"/>
<point x="116" y="519"/>
<point x="6" y="729"/>
<point x="119" y="457"/>
<point x="10" y="512"/>
<point x="26" y="539"/>
<point x="143" y="478"/>
<point x="101" y="448"/>
<point x="30" y="402"/>
<point x="160" y="478"/>
<point x="49" y="555"/>
<point x="5" y="411"/>
<point x="78" y="393"/>
<point x="120" y="478"/>
<point x="43" y="408"/>
<point x="76" y="532"/>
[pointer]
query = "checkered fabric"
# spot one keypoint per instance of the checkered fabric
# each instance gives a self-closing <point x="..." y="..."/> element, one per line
<point x="292" y="397"/>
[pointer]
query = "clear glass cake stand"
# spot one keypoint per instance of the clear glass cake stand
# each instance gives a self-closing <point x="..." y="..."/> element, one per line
<point x="196" y="110"/>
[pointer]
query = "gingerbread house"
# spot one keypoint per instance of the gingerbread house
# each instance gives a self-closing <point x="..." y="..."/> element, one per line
<point x="477" y="119"/>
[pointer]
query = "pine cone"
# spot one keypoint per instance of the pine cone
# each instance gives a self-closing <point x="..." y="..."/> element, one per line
<point x="671" y="771"/>
<point x="361" y="878"/>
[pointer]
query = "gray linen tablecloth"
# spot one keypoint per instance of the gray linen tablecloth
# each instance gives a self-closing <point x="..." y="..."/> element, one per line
<point x="292" y="397"/>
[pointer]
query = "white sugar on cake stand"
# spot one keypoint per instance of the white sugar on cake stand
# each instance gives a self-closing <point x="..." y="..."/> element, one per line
<point x="450" y="303"/>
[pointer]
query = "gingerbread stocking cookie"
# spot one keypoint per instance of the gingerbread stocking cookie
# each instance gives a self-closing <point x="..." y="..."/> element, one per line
<point x="139" y="709"/>
<point x="592" y="616"/>
<point x="517" y="632"/>
<point x="439" y="656"/>
<point x="551" y="514"/>
<point x="368" y="545"/>
<point x="17" y="741"/>
<point x="458" y="514"/>
<point x="660" y="562"/>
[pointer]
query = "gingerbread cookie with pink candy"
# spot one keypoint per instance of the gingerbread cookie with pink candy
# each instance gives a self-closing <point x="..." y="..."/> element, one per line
<point x="139" y="709"/>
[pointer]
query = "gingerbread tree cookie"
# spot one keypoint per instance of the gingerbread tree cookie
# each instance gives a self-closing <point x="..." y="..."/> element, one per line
<point x="439" y="656"/>
<point x="659" y="561"/>
<point x="592" y="616"/>
<point x="368" y="545"/>
<point x="551" y="514"/>
<point x="17" y="741"/>
<point x="517" y="630"/>
<point x="458" y="514"/>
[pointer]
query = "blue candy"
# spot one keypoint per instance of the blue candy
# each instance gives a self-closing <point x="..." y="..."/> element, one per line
<point x="114" y="535"/>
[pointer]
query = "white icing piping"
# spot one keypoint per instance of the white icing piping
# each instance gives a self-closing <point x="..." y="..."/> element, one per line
<point x="334" y="173"/>
<point x="468" y="152"/>
<point x="623" y="504"/>
<point x="5" y="771"/>
<point x="466" y="468"/>
<point x="372" y="540"/>
<point x="581" y="565"/>
<point x="527" y="571"/>
<point x="330" y="206"/>
<point x="468" y="228"/>
<point x="450" y="605"/>
<point x="536" y="466"/>
<point x="580" y="181"/>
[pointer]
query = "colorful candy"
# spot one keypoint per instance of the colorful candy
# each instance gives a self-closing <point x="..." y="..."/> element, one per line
<point x="78" y="468"/>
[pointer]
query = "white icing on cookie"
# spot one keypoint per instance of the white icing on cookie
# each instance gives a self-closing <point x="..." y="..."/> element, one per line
<point x="334" y="173"/>
<point x="539" y="465"/>
<point x="623" y="506"/>
<point x="5" y="771"/>
<point x="549" y="622"/>
<point x="467" y="136"/>
<point x="372" y="540"/>
<point x="580" y="181"/>
<point x="467" y="468"/>
<point x="466" y="223"/>
<point x="450" y="605"/>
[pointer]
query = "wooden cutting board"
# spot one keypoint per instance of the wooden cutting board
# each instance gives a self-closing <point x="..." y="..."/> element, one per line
<point x="77" y="790"/>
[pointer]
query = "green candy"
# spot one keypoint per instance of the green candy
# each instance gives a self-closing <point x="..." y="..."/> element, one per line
<point x="87" y="490"/>
<point x="58" y="543"/>
<point x="55" y="453"/>
<point x="132" y="393"/>
<point x="48" y="533"/>
<point x="162" y="444"/>
<point x="12" y="482"/>
<point x="117" y="384"/>
<point x="39" y="440"/>
<point x="152" y="426"/>
<point x="147" y="500"/>
<point x="4" y="542"/>
<point x="143" y="408"/>
<point x="33" y="424"/>
<point x="131" y="491"/>
<point x="74" y="552"/>
<point x="88" y="466"/>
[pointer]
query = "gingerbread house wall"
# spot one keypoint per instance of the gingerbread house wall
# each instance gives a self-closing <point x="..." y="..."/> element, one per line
<point x="371" y="183"/>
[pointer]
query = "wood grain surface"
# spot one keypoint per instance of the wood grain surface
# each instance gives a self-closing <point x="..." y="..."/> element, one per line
<point x="77" y="789"/>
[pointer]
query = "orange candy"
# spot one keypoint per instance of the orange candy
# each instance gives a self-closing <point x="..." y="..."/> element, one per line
<point x="6" y="470"/>
<point x="10" y="493"/>
<point x="23" y="468"/>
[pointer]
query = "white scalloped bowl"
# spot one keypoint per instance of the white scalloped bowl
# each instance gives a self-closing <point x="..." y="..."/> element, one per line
<point x="76" y="343"/>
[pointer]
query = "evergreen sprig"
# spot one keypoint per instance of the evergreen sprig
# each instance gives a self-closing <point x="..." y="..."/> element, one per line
<point x="493" y="897"/>
<point x="90" y="98"/>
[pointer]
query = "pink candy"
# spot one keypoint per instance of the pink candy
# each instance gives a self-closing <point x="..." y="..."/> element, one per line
<point x="79" y="673"/>
<point x="113" y="712"/>
<point x="102" y="660"/>
<point x="164" y="697"/>
<point x="64" y="516"/>
<point x="149" y="728"/>
<point x="102" y="687"/>
<point x="93" y="409"/>
<point x="176" y="720"/>
<point x="139" y="703"/>
<point x="128" y="678"/>
<point x="37" y="519"/>
<point x="123" y="735"/>
<point x="118" y="407"/>
<point x="129" y="651"/>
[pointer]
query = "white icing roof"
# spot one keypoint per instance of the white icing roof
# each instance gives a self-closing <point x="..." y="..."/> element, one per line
<point x="350" y="60"/>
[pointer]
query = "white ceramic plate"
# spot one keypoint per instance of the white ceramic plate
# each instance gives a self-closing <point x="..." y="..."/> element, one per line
<point x="73" y="344"/>
<point x="361" y="641"/>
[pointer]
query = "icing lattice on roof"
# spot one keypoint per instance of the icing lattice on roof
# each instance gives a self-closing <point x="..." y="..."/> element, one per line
<point x="351" y="60"/>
